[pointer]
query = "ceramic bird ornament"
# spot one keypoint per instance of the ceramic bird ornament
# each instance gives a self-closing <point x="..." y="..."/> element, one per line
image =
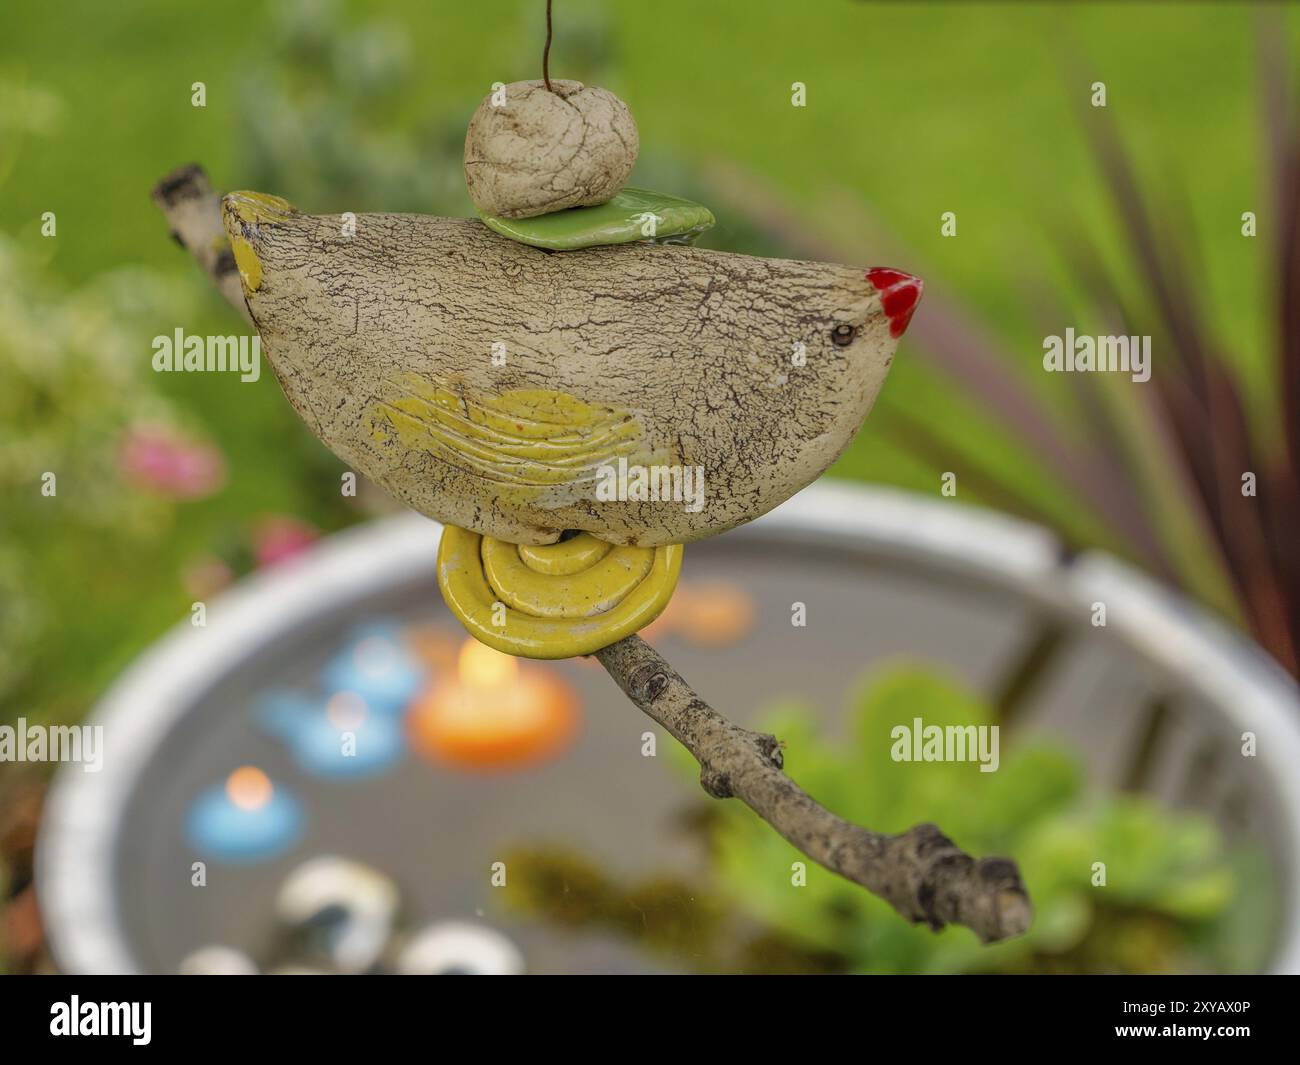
<point x="577" y="393"/>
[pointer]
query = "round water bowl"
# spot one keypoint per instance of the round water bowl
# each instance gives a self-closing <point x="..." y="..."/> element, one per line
<point x="1156" y="700"/>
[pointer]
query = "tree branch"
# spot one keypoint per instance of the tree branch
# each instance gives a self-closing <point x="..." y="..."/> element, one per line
<point x="921" y="873"/>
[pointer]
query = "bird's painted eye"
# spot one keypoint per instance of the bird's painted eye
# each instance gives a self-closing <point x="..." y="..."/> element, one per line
<point x="842" y="335"/>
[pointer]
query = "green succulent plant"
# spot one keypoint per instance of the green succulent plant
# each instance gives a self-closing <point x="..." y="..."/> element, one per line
<point x="1170" y="882"/>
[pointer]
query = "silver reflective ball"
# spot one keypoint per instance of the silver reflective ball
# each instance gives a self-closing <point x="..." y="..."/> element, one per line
<point x="459" y="948"/>
<point x="338" y="912"/>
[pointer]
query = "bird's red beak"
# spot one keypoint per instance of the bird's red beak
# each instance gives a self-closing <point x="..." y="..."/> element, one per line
<point x="899" y="295"/>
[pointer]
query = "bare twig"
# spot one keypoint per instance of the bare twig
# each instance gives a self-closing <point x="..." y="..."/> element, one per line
<point x="921" y="873"/>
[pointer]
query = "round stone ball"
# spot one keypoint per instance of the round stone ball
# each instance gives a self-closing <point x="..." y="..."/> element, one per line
<point x="531" y="151"/>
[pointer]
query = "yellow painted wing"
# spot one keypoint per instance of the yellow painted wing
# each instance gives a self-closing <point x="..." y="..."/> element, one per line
<point x="527" y="440"/>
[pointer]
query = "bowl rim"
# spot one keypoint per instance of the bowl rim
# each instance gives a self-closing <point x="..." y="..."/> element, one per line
<point x="82" y="822"/>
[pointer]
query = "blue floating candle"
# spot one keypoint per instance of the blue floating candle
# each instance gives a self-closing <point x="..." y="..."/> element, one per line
<point x="346" y="740"/>
<point x="282" y="713"/>
<point x="338" y="737"/>
<point x="377" y="666"/>
<point x="245" y="819"/>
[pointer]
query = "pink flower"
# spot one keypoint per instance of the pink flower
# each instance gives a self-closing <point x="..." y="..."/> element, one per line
<point x="158" y="460"/>
<point x="279" y="538"/>
<point x="206" y="576"/>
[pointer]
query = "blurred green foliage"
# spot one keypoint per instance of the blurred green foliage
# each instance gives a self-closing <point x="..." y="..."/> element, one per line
<point x="322" y="118"/>
<point x="72" y="383"/>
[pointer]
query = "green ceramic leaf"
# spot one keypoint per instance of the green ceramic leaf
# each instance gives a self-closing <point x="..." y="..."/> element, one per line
<point x="622" y="220"/>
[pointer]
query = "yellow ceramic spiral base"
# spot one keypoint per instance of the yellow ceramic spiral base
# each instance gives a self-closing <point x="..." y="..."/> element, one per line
<point x="557" y="601"/>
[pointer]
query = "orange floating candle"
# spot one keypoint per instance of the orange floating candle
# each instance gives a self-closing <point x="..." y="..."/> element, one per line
<point x="434" y="646"/>
<point x="493" y="714"/>
<point x="716" y="613"/>
<point x="711" y="613"/>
